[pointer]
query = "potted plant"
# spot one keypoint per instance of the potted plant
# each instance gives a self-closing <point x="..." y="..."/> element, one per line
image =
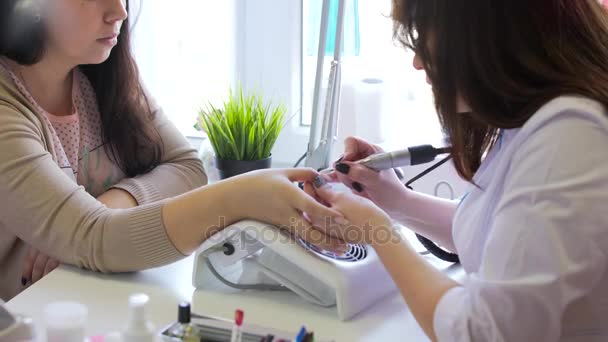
<point x="242" y="132"/>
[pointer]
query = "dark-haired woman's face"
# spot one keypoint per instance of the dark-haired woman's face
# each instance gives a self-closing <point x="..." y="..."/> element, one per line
<point x="83" y="31"/>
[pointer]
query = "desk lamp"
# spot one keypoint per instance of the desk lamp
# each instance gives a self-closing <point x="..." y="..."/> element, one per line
<point x="322" y="137"/>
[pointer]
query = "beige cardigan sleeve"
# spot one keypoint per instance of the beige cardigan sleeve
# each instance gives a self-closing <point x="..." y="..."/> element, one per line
<point x="180" y="170"/>
<point x="47" y="210"/>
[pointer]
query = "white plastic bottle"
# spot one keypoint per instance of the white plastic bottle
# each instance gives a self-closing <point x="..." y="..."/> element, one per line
<point x="138" y="329"/>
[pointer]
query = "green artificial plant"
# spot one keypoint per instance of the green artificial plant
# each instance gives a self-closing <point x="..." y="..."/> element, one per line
<point x="245" y="128"/>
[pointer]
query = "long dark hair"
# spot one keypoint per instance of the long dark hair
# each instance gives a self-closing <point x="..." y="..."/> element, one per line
<point x="505" y="59"/>
<point x="129" y="136"/>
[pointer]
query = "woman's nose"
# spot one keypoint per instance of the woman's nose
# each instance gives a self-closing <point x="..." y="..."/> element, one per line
<point x="418" y="63"/>
<point x="117" y="11"/>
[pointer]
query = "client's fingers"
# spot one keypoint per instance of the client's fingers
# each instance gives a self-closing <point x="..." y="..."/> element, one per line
<point x="51" y="264"/>
<point x="39" y="266"/>
<point x="28" y="265"/>
<point x="309" y="189"/>
<point x="302" y="174"/>
<point x="312" y="207"/>
<point x="303" y="229"/>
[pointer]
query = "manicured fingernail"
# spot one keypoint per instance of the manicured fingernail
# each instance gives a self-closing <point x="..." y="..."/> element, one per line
<point x="341" y="220"/>
<point x="339" y="159"/>
<point x="319" y="182"/>
<point x="358" y="187"/>
<point x="399" y="173"/>
<point x="23" y="281"/>
<point x="342" y="168"/>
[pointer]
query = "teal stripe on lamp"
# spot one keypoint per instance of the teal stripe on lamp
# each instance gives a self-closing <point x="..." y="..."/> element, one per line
<point x="352" y="39"/>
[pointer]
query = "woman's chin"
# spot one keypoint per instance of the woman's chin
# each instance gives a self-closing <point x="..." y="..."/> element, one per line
<point x="97" y="56"/>
<point x="99" y="59"/>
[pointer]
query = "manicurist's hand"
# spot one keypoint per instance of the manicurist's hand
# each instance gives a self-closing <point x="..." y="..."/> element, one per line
<point x="383" y="188"/>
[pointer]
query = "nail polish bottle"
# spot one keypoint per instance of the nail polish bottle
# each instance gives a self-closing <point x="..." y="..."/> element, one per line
<point x="185" y="331"/>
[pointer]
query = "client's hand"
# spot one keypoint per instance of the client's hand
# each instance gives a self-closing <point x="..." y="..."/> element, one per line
<point x="366" y="222"/>
<point x="36" y="266"/>
<point x="272" y="196"/>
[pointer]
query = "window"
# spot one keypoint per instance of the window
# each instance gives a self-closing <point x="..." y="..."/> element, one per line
<point x="185" y="51"/>
<point x="405" y="114"/>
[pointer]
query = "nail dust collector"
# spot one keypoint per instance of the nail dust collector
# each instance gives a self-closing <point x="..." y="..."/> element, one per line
<point x="250" y="255"/>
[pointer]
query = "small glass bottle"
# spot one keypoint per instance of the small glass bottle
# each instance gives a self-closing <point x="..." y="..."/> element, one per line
<point x="184" y="331"/>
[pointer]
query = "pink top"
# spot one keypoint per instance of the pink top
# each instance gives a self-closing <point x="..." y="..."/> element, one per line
<point x="77" y="137"/>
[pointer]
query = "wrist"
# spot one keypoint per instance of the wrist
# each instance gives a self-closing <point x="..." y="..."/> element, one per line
<point x="398" y="204"/>
<point x="388" y="240"/>
<point x="229" y="201"/>
<point x="383" y="233"/>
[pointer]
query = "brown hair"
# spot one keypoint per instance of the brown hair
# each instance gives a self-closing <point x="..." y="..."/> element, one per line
<point x="130" y="138"/>
<point x="505" y="59"/>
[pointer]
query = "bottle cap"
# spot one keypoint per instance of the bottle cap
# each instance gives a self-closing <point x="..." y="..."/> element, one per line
<point x="137" y="305"/>
<point x="183" y="313"/>
<point x="238" y="317"/>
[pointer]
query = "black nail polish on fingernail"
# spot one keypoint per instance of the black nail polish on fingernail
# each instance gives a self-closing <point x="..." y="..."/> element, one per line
<point x="319" y="182"/>
<point x="358" y="187"/>
<point x="343" y="168"/>
<point x="23" y="281"/>
<point x="340" y="159"/>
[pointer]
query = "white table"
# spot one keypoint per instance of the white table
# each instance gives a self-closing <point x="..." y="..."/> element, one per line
<point x="106" y="297"/>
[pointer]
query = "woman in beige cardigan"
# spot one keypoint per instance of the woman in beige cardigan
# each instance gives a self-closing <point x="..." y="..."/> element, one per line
<point x="93" y="174"/>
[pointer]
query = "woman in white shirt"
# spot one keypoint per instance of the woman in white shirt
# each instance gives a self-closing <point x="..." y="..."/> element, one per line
<point x="521" y="89"/>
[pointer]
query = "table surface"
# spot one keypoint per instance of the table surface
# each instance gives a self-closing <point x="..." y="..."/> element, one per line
<point x="106" y="298"/>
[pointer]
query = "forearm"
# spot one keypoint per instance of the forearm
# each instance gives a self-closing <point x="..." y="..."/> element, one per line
<point x="420" y="284"/>
<point x="193" y="217"/>
<point x="427" y="215"/>
<point x="36" y="263"/>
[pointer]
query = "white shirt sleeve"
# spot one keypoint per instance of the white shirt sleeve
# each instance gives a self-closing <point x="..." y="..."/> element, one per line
<point x="548" y="239"/>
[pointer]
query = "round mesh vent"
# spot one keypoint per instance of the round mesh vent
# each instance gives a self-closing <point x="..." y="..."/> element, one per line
<point x="353" y="253"/>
